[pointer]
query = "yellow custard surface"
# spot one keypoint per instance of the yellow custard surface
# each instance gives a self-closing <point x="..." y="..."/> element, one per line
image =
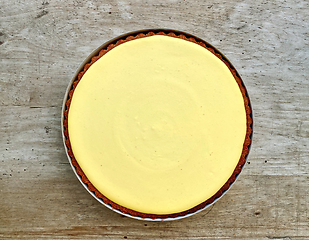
<point x="157" y="124"/>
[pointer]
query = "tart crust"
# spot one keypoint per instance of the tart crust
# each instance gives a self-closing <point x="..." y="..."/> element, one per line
<point x="246" y="145"/>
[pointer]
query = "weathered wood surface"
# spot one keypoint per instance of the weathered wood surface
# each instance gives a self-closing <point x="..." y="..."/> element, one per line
<point x="43" y="42"/>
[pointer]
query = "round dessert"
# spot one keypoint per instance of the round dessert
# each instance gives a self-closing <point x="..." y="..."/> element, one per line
<point x="157" y="124"/>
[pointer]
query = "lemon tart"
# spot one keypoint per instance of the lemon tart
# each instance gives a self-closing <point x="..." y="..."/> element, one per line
<point x="157" y="124"/>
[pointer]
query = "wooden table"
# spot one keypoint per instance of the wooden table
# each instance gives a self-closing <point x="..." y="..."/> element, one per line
<point x="43" y="42"/>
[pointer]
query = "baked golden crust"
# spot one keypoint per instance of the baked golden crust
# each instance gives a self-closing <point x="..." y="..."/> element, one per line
<point x="246" y="144"/>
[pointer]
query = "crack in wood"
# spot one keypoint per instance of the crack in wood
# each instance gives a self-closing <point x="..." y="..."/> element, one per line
<point x="285" y="237"/>
<point x="41" y="14"/>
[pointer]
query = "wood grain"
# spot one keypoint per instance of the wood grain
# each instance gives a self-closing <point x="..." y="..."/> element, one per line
<point x="43" y="42"/>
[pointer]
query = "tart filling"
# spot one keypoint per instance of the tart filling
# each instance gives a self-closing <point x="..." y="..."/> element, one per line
<point x="158" y="124"/>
